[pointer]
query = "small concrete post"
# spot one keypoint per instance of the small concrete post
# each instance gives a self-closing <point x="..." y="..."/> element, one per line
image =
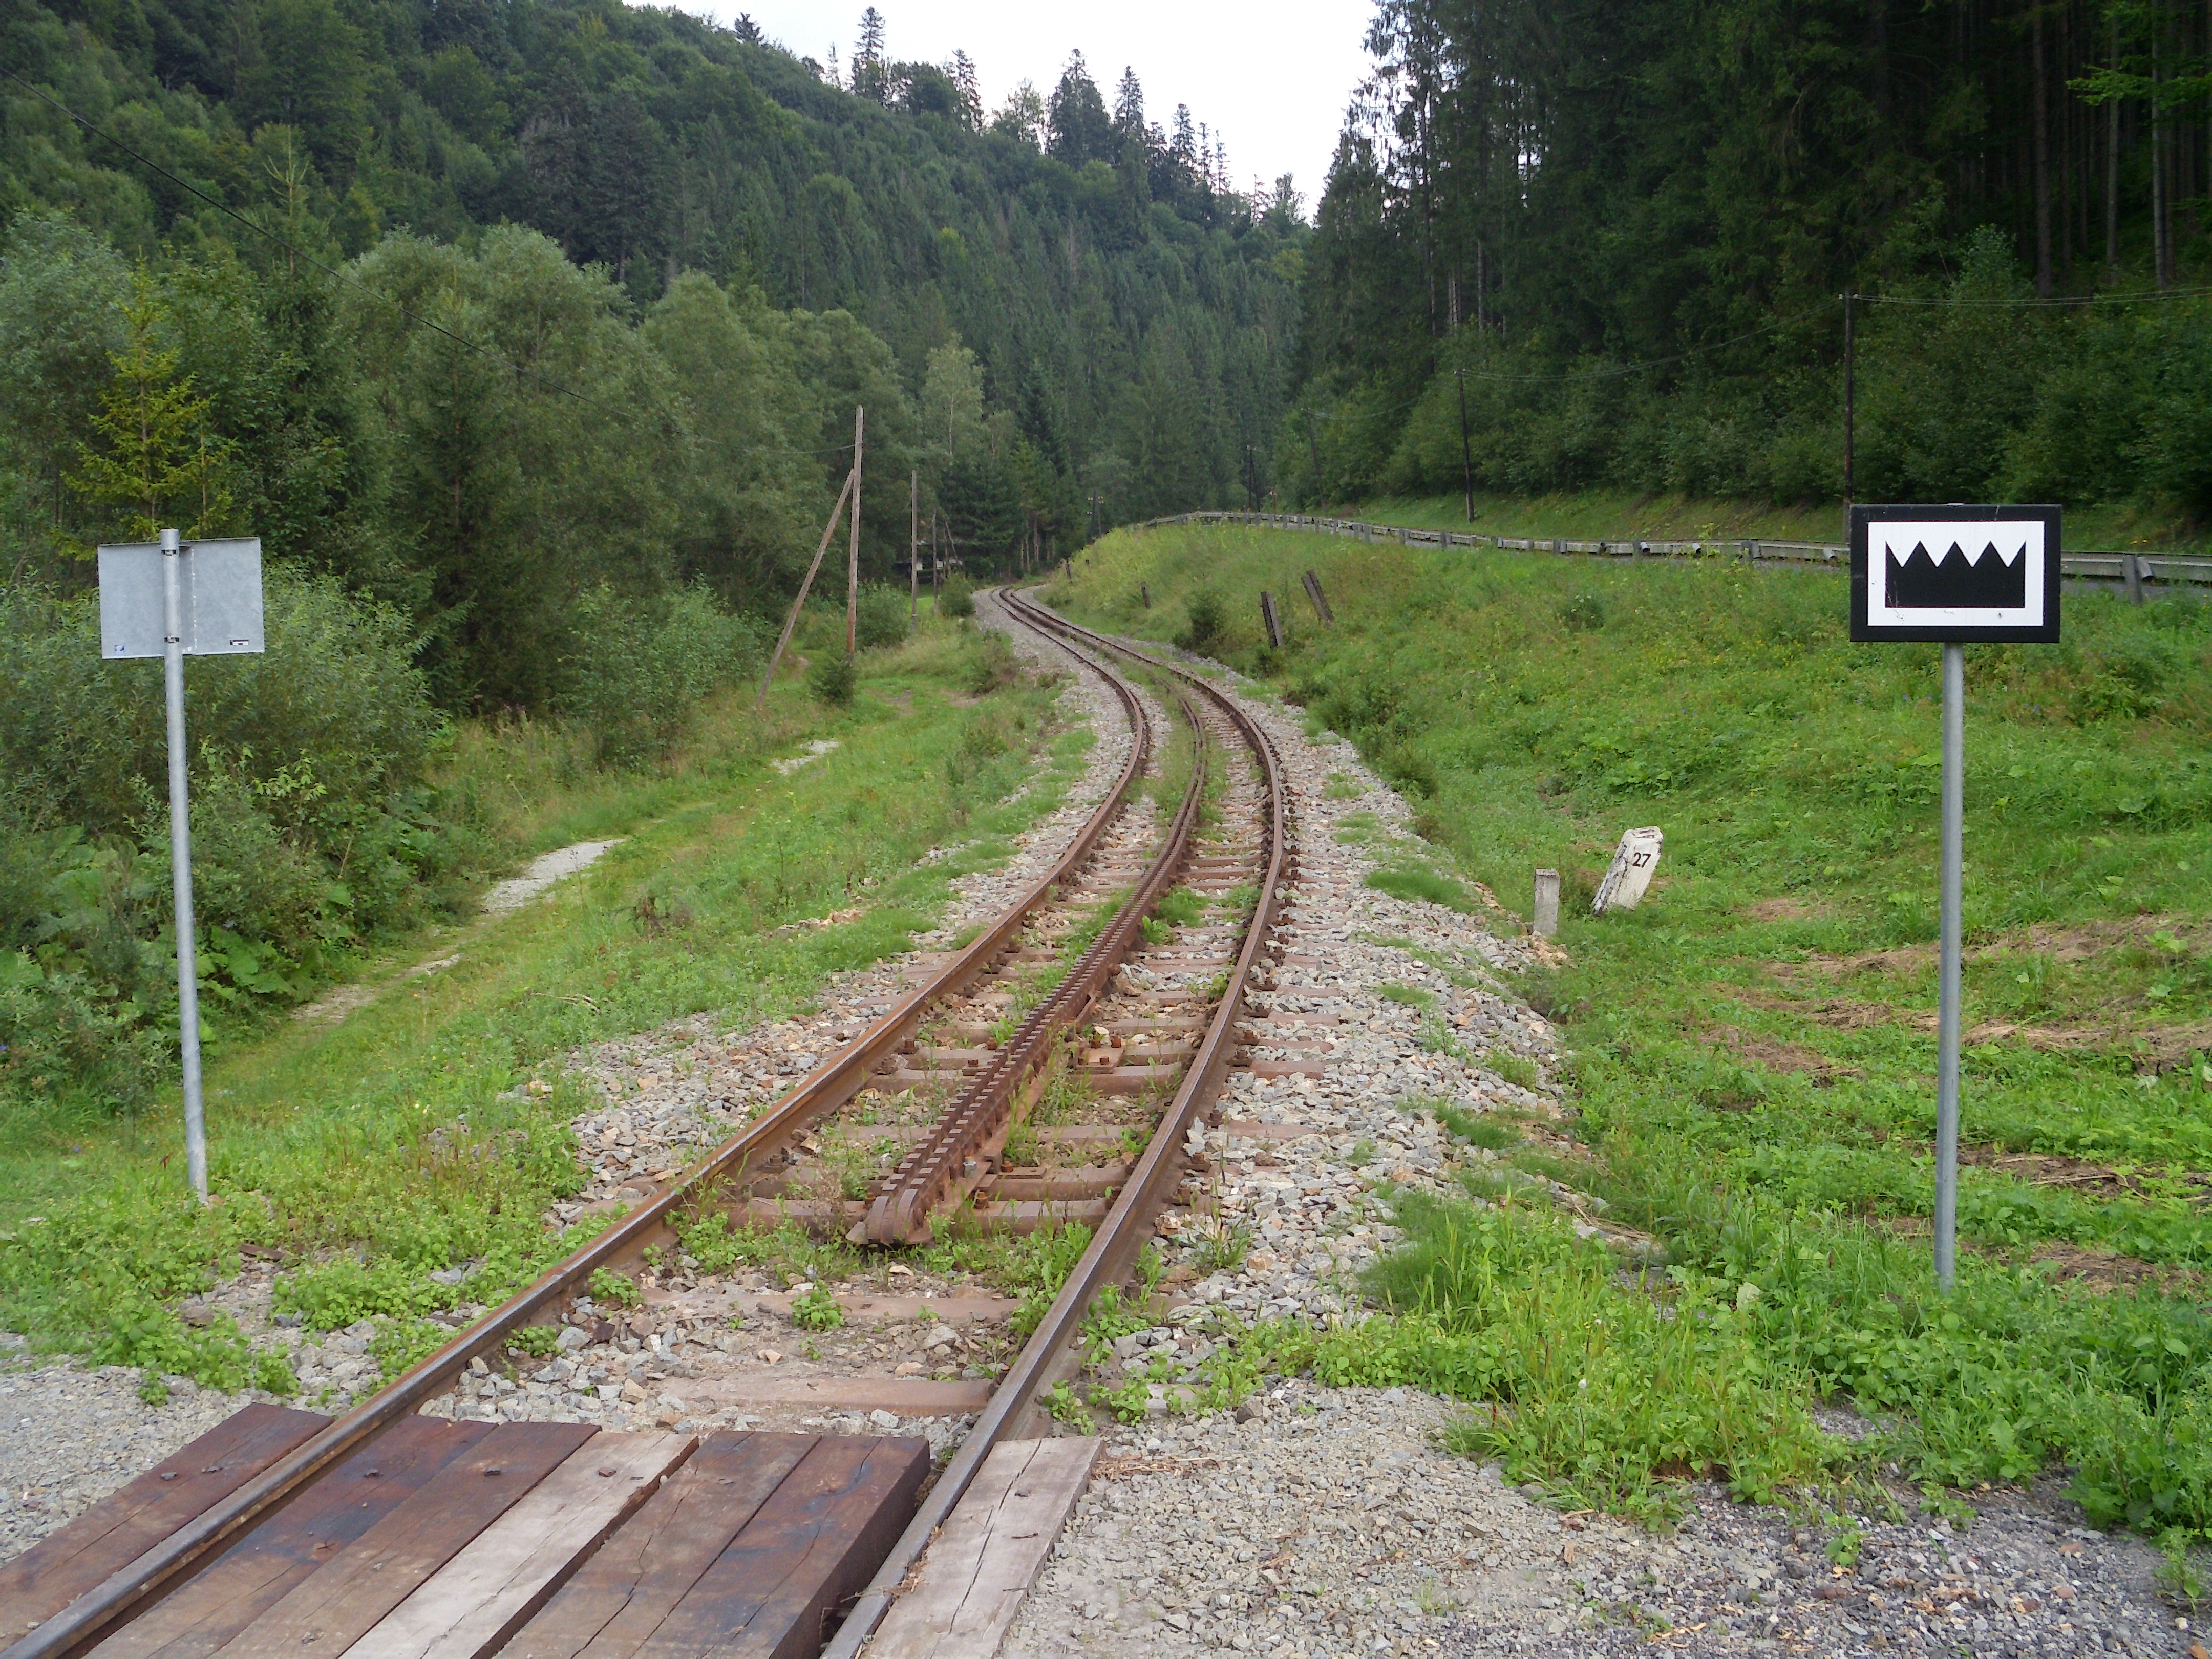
<point x="1545" y="919"/>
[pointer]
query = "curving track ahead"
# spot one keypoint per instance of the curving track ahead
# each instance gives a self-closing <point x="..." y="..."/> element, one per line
<point x="960" y="1159"/>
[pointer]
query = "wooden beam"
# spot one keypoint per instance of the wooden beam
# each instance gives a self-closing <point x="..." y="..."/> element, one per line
<point x="334" y="1606"/>
<point x="122" y="1526"/>
<point x="619" y="1598"/>
<point x="980" y="1569"/>
<point x="508" y="1570"/>
<point x="261" y="1569"/>
<point x="792" y="621"/>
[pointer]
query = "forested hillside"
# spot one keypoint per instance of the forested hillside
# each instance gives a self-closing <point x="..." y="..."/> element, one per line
<point x="1129" y="316"/>
<point x="527" y="335"/>
<point x="1629" y="225"/>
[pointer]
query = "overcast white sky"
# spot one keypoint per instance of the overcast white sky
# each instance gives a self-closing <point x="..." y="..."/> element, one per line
<point x="1273" y="78"/>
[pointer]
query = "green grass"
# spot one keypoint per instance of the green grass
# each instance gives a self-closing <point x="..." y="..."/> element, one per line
<point x="375" y="1152"/>
<point x="1753" y="1048"/>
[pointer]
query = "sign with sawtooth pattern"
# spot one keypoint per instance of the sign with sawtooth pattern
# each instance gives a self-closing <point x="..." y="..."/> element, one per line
<point x="1955" y="574"/>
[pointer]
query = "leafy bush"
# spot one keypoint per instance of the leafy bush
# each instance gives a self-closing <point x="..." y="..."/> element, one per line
<point x="884" y="617"/>
<point x="1206" y="625"/>
<point x="956" y="598"/>
<point x="833" y="678"/>
<point x="311" y="825"/>
<point x="639" y="669"/>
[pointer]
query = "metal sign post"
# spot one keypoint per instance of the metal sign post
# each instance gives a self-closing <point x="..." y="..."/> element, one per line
<point x="1952" y="574"/>
<point x="171" y="600"/>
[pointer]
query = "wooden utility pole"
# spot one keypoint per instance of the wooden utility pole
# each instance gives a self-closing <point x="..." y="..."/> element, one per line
<point x="1466" y="462"/>
<point x="799" y="604"/>
<point x="1850" y="401"/>
<point x="853" y="550"/>
<point x="914" y="548"/>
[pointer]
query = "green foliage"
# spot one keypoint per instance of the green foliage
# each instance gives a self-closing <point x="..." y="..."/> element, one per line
<point x="1485" y="1131"/>
<point x="956" y="598"/>
<point x="313" y="828"/>
<point x="832" y="678"/>
<point x="817" y="1309"/>
<point x="537" y="1341"/>
<point x="642" y="667"/>
<point x="1064" y="1405"/>
<point x="1206" y="625"/>
<point x="1222" y="1244"/>
<point x="1599" y="1391"/>
<point x="617" y="1290"/>
<point x="1715" y="380"/>
<point x="884" y="616"/>
<point x="1426" y="886"/>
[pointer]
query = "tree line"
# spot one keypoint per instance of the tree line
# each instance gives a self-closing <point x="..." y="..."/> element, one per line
<point x="1059" y="326"/>
<point x="1624" y="228"/>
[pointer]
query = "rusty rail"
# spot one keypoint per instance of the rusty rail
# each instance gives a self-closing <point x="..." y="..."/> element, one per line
<point x="97" y="1613"/>
<point x="935" y="1169"/>
<point x="1114" y="1249"/>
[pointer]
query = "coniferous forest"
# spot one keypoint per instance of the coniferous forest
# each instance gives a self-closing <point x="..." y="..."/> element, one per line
<point x="1625" y="229"/>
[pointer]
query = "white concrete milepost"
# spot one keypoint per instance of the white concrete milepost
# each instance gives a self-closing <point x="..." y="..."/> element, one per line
<point x="1953" y="575"/>
<point x="174" y="599"/>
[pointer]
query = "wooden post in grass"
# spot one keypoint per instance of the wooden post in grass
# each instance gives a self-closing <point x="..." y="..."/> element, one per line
<point x="1145" y="592"/>
<point x="1320" y="599"/>
<point x="792" y="621"/>
<point x="914" y="549"/>
<point x="1274" y="622"/>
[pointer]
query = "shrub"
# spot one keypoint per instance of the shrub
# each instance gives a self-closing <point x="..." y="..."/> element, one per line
<point x="1207" y="625"/>
<point x="832" y="678"/>
<point x="311" y="824"/>
<point x="638" y="670"/>
<point x="956" y="598"/>
<point x="884" y="617"/>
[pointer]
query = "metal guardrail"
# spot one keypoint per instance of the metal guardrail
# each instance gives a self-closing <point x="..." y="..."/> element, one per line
<point x="2135" y="572"/>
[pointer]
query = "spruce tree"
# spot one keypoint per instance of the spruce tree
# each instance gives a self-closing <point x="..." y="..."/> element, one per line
<point x="1130" y="107"/>
<point x="155" y="458"/>
<point x="869" y="80"/>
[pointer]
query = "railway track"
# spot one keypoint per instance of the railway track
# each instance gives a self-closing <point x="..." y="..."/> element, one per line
<point x="1048" y="1072"/>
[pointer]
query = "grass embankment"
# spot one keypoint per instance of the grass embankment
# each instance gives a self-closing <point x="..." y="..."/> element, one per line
<point x="371" y="1154"/>
<point x="1754" y="1049"/>
<point x="1611" y="514"/>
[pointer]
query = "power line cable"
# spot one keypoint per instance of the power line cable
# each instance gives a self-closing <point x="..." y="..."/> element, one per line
<point x="228" y="211"/>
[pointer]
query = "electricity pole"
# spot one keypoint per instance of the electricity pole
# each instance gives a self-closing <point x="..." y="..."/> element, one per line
<point x="1466" y="462"/>
<point x="853" y="550"/>
<point x="1850" y="401"/>
<point x="914" y="548"/>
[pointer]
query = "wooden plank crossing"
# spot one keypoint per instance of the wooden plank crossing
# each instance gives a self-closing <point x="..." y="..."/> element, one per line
<point x="466" y="1540"/>
<point x="982" y="1565"/>
<point x="122" y="1526"/>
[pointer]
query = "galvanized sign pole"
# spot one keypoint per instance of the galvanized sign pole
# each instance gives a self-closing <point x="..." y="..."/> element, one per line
<point x="1951" y="902"/>
<point x="171" y="600"/>
<point x="180" y="859"/>
<point x="1952" y="575"/>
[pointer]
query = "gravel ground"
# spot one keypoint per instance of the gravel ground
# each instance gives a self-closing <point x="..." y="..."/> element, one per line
<point x="68" y="1436"/>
